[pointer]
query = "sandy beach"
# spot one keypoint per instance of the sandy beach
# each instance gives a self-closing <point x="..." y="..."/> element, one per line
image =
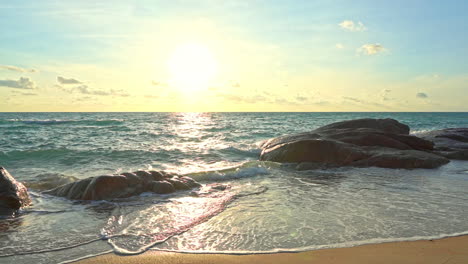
<point x="452" y="250"/>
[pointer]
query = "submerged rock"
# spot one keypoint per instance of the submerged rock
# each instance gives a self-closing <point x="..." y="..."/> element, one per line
<point x="127" y="184"/>
<point x="451" y="143"/>
<point x="362" y="143"/>
<point x="13" y="194"/>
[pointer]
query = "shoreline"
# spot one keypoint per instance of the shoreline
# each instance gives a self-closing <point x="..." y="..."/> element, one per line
<point x="451" y="250"/>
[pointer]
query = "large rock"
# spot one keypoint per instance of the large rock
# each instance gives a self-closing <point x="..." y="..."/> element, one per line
<point x="13" y="194"/>
<point x="450" y="142"/>
<point x="363" y="143"/>
<point x="127" y="184"/>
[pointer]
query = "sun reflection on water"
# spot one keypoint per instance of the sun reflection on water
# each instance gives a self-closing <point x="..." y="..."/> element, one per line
<point x="194" y="136"/>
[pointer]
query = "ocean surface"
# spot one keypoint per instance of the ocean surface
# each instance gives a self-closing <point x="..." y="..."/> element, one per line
<point x="269" y="207"/>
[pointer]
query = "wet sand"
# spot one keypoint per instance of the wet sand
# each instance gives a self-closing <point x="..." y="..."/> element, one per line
<point x="452" y="250"/>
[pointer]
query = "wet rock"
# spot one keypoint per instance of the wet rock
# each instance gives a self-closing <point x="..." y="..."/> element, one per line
<point x="121" y="186"/>
<point x="363" y="143"/>
<point x="451" y="143"/>
<point x="189" y="182"/>
<point x="107" y="186"/>
<point x="157" y="176"/>
<point x="178" y="184"/>
<point x="13" y="194"/>
<point x="162" y="187"/>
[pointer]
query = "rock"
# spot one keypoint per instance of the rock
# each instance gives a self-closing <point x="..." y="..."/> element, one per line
<point x="13" y="194"/>
<point x="107" y="187"/>
<point x="178" y="184"/>
<point x="363" y="143"/>
<point x="162" y="187"/>
<point x="121" y="186"/>
<point x="189" y="182"/>
<point x="388" y="125"/>
<point x="402" y="159"/>
<point x="451" y="143"/>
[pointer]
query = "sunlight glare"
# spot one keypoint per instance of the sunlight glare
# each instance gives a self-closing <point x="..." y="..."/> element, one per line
<point x="191" y="67"/>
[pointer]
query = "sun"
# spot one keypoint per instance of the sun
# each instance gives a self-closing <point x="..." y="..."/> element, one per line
<point x="192" y="66"/>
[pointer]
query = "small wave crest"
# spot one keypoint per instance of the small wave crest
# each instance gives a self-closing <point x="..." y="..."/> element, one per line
<point x="244" y="170"/>
<point x="251" y="152"/>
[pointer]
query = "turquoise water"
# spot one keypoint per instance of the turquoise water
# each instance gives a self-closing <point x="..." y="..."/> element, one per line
<point x="269" y="208"/>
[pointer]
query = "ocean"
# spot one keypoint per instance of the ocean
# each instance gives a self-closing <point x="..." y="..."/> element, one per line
<point x="269" y="207"/>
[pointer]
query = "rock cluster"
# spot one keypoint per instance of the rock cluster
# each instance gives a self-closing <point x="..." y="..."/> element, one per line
<point x="361" y="143"/>
<point x="13" y="194"/>
<point x="125" y="185"/>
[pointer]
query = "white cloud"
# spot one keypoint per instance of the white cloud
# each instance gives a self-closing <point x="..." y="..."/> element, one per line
<point x="339" y="46"/>
<point x="371" y="49"/>
<point x="16" y="69"/>
<point x="351" y="26"/>
<point x="21" y="83"/>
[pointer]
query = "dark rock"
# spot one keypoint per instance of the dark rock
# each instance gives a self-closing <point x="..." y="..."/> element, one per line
<point x="363" y="143"/>
<point x="121" y="186"/>
<point x="451" y="143"/>
<point x="178" y="184"/>
<point x="162" y="187"/>
<point x="157" y="176"/>
<point x="13" y="194"/>
<point x="387" y="125"/>
<point x="107" y="187"/>
<point x="189" y="182"/>
<point x="402" y="159"/>
<point x="145" y="176"/>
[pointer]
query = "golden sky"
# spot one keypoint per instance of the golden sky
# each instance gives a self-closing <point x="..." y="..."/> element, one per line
<point x="233" y="56"/>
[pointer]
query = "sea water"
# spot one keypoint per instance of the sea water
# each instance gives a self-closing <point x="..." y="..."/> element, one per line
<point x="268" y="207"/>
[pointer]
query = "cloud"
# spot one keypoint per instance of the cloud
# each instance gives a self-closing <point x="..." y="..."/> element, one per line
<point x="22" y="93"/>
<point x="371" y="49"/>
<point x="351" y="26"/>
<point x="339" y="46"/>
<point x="62" y="80"/>
<point x="352" y="99"/>
<point x="84" y="89"/>
<point x="21" y="83"/>
<point x="385" y="95"/>
<point x="16" y="69"/>
<point x="422" y="95"/>
<point x="363" y="103"/>
<point x="301" y="98"/>
<point x="243" y="99"/>
<point x="83" y="99"/>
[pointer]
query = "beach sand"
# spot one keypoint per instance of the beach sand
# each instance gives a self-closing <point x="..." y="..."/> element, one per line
<point x="452" y="250"/>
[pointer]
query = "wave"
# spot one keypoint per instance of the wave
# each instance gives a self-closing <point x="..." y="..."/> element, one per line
<point x="133" y="230"/>
<point x="244" y="170"/>
<point x="47" y="181"/>
<point x="251" y="152"/>
<point x="48" y="122"/>
<point x="59" y="154"/>
<point x="317" y="247"/>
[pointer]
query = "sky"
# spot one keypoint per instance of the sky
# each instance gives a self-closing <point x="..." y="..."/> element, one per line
<point x="244" y="55"/>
